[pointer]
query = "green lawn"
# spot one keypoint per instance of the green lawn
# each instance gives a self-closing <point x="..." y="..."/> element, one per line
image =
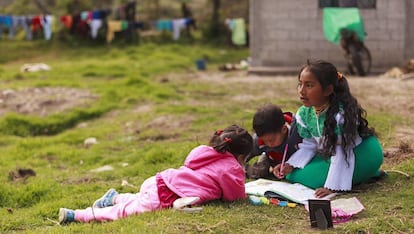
<point x="152" y="108"/>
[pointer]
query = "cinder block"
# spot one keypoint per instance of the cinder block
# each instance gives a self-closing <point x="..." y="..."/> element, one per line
<point x="396" y="9"/>
<point x="396" y="26"/>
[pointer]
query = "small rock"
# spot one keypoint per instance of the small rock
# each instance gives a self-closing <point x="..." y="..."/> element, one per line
<point x="104" y="168"/>
<point x="34" y="67"/>
<point x="90" y="141"/>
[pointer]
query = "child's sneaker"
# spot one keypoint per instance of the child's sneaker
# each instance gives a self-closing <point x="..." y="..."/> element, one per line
<point x="106" y="200"/>
<point x="66" y="215"/>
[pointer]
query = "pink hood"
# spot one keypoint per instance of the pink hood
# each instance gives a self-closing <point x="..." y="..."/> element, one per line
<point x="207" y="174"/>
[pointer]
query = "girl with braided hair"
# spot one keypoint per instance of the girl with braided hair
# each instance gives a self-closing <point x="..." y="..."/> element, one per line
<point x="209" y="173"/>
<point x="339" y="149"/>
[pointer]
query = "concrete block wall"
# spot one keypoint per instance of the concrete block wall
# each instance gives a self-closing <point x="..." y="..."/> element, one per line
<point x="288" y="32"/>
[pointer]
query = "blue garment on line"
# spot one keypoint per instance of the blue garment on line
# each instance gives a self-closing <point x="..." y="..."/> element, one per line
<point x="5" y="20"/>
<point x="164" y="25"/>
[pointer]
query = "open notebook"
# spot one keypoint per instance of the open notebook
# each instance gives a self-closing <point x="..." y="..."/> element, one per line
<point x="294" y="192"/>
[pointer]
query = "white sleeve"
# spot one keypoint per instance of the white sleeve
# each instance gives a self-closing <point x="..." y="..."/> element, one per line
<point x="304" y="154"/>
<point x="341" y="170"/>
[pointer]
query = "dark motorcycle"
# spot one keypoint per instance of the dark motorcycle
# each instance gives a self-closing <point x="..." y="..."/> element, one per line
<point x="356" y="53"/>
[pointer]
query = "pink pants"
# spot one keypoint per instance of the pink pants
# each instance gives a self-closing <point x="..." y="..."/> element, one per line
<point x="125" y="204"/>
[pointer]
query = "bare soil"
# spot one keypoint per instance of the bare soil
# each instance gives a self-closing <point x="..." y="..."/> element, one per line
<point x="374" y="93"/>
<point x="43" y="101"/>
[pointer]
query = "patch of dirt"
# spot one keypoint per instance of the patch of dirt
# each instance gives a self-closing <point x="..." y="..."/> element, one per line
<point x="43" y="101"/>
<point x="374" y="93"/>
<point x="397" y="155"/>
<point x="169" y="122"/>
<point x="166" y="127"/>
<point x="21" y="174"/>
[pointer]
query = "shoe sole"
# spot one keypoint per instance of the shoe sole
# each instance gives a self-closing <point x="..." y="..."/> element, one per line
<point x="95" y="204"/>
<point x="182" y="204"/>
<point x="62" y="215"/>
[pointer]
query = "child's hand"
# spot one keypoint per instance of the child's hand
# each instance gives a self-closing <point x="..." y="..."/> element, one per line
<point x="322" y="192"/>
<point x="281" y="172"/>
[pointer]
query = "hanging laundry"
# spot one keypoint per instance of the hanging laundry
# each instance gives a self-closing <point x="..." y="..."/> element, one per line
<point x="95" y="24"/>
<point x="11" y="28"/>
<point x="67" y="21"/>
<point x="20" y="21"/>
<point x="36" y="23"/>
<point x="79" y="26"/>
<point x="98" y="14"/>
<point x="238" y="28"/>
<point x="86" y="15"/>
<point x="177" y="25"/>
<point x="164" y="25"/>
<point x="6" y="21"/>
<point x="115" y="26"/>
<point x="29" y="33"/>
<point x="47" y="26"/>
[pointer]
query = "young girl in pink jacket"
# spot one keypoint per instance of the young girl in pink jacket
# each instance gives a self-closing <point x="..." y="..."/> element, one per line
<point x="209" y="173"/>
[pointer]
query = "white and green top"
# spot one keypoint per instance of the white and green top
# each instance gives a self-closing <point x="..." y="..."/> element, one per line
<point x="310" y="127"/>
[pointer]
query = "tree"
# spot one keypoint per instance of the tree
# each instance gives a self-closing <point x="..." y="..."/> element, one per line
<point x="215" y="30"/>
<point x="42" y="7"/>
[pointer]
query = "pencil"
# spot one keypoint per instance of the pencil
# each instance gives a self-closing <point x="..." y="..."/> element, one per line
<point x="284" y="158"/>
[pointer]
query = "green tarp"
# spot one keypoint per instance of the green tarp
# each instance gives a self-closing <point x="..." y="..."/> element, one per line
<point x="336" y="18"/>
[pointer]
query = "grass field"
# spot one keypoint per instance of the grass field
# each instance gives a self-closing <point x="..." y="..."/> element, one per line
<point x="147" y="106"/>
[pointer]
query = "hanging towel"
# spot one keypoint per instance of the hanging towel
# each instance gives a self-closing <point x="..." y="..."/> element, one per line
<point x="238" y="27"/>
<point x="164" y="25"/>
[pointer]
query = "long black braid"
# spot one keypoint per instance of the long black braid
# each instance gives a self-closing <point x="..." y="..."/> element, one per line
<point x="354" y="115"/>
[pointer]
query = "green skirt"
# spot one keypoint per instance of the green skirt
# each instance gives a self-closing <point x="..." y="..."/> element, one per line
<point x="368" y="160"/>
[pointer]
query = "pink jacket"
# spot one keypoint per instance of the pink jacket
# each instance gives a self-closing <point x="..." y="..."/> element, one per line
<point x="207" y="174"/>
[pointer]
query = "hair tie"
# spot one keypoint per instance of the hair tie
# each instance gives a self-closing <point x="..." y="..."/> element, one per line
<point x="228" y="140"/>
<point x="340" y="76"/>
<point x="219" y="132"/>
<point x="288" y="117"/>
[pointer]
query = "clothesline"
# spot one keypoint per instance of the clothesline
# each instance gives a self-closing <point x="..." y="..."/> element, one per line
<point x="30" y="24"/>
<point x="85" y="22"/>
<point x="88" y="23"/>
